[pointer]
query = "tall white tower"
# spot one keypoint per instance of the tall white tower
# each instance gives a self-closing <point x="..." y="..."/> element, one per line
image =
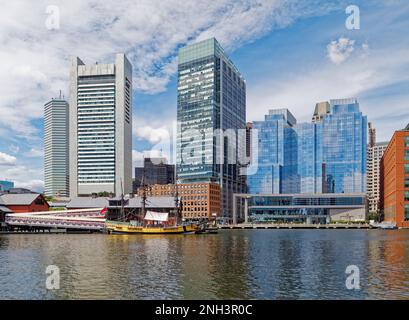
<point x="100" y="125"/>
<point x="56" y="162"/>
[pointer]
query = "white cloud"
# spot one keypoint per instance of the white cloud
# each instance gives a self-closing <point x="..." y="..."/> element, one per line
<point x="33" y="185"/>
<point x="7" y="160"/>
<point x="35" y="59"/>
<point x="24" y="177"/>
<point x="339" y="50"/>
<point x="34" y="153"/>
<point x="14" y="149"/>
<point x="297" y="92"/>
<point x="153" y="135"/>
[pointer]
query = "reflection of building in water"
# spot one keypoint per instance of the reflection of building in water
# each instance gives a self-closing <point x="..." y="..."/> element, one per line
<point x="219" y="269"/>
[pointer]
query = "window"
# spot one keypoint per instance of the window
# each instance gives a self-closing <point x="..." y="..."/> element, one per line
<point x="407" y="141"/>
<point x="406" y="154"/>
<point x="406" y="212"/>
<point x="406" y="182"/>
<point x="406" y="168"/>
<point x="406" y="195"/>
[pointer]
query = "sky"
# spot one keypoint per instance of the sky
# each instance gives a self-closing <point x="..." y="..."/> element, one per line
<point x="292" y="53"/>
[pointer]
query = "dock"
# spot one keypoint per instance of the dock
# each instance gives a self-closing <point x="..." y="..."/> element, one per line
<point x="296" y="226"/>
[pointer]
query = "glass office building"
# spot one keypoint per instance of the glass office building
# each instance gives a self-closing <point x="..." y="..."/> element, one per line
<point x="277" y="159"/>
<point x="304" y="208"/>
<point x="327" y="155"/>
<point x="344" y="143"/>
<point x="211" y="99"/>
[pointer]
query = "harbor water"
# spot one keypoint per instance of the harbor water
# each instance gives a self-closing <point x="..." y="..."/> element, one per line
<point x="233" y="264"/>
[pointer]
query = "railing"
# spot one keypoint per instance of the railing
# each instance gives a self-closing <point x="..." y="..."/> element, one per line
<point x="88" y="219"/>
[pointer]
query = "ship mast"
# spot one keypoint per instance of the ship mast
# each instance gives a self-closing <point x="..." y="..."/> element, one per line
<point x="177" y="202"/>
<point x="122" y="203"/>
<point x="143" y="198"/>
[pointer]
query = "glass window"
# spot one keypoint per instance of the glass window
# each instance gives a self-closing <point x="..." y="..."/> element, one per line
<point x="406" y="195"/>
<point x="407" y="141"/>
<point x="406" y="182"/>
<point x="406" y="154"/>
<point x="406" y="212"/>
<point x="407" y="168"/>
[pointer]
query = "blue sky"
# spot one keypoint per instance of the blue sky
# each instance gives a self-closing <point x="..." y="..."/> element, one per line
<point x="292" y="54"/>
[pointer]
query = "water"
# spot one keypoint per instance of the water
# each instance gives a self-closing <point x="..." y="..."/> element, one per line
<point x="239" y="264"/>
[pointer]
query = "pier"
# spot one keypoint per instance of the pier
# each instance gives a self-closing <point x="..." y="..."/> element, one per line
<point x="297" y="226"/>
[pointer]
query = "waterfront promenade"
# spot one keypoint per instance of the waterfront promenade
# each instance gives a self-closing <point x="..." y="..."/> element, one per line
<point x="297" y="226"/>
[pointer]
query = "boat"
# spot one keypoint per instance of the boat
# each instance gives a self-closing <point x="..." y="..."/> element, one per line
<point x="116" y="227"/>
<point x="151" y="222"/>
<point x="384" y="225"/>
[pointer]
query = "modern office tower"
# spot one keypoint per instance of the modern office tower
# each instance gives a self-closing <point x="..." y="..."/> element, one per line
<point x="6" y="185"/>
<point x="374" y="155"/>
<point x="249" y="127"/>
<point x="154" y="171"/>
<point x="211" y="100"/>
<point x="321" y="109"/>
<point x="310" y="165"/>
<point x="100" y="125"/>
<point x="344" y="139"/>
<point x="325" y="156"/>
<point x="371" y="135"/>
<point x="277" y="158"/>
<point x="395" y="179"/>
<point x="56" y="143"/>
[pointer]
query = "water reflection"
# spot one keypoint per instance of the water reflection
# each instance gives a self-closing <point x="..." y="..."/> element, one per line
<point x="239" y="264"/>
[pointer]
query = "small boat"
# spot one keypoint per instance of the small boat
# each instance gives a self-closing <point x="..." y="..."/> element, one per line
<point x="151" y="222"/>
<point x="384" y="225"/>
<point x="204" y="229"/>
<point x="116" y="227"/>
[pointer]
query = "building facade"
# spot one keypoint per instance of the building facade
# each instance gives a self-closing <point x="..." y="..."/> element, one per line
<point x="154" y="171"/>
<point x="327" y="155"/>
<point x="304" y="208"/>
<point x="395" y="180"/>
<point x="344" y="142"/>
<point x="6" y="185"/>
<point x="100" y="122"/>
<point x="24" y="202"/>
<point x="277" y="158"/>
<point x="199" y="200"/>
<point x="211" y="111"/>
<point x="56" y="145"/>
<point x="375" y="152"/>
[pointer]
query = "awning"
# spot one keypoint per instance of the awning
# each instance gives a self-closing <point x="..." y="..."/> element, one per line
<point x="156" y="216"/>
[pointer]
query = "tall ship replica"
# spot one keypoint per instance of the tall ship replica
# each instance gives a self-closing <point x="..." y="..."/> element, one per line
<point x="151" y="222"/>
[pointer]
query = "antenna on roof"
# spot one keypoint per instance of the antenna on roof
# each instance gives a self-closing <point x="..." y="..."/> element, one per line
<point x="60" y="94"/>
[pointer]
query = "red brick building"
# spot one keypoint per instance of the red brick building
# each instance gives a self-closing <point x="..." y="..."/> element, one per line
<point x="24" y="202"/>
<point x="200" y="200"/>
<point x="395" y="180"/>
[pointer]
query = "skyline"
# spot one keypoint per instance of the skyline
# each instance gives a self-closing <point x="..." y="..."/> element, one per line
<point x="38" y="67"/>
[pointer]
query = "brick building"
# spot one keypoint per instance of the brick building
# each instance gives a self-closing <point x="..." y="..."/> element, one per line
<point x="395" y="179"/>
<point x="199" y="200"/>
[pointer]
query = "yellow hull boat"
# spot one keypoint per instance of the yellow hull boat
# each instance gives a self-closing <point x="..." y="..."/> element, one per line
<point x="127" y="228"/>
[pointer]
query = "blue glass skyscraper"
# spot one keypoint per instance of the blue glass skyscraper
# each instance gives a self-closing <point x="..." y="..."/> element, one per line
<point x="277" y="154"/>
<point x="327" y="155"/>
<point x="343" y="134"/>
